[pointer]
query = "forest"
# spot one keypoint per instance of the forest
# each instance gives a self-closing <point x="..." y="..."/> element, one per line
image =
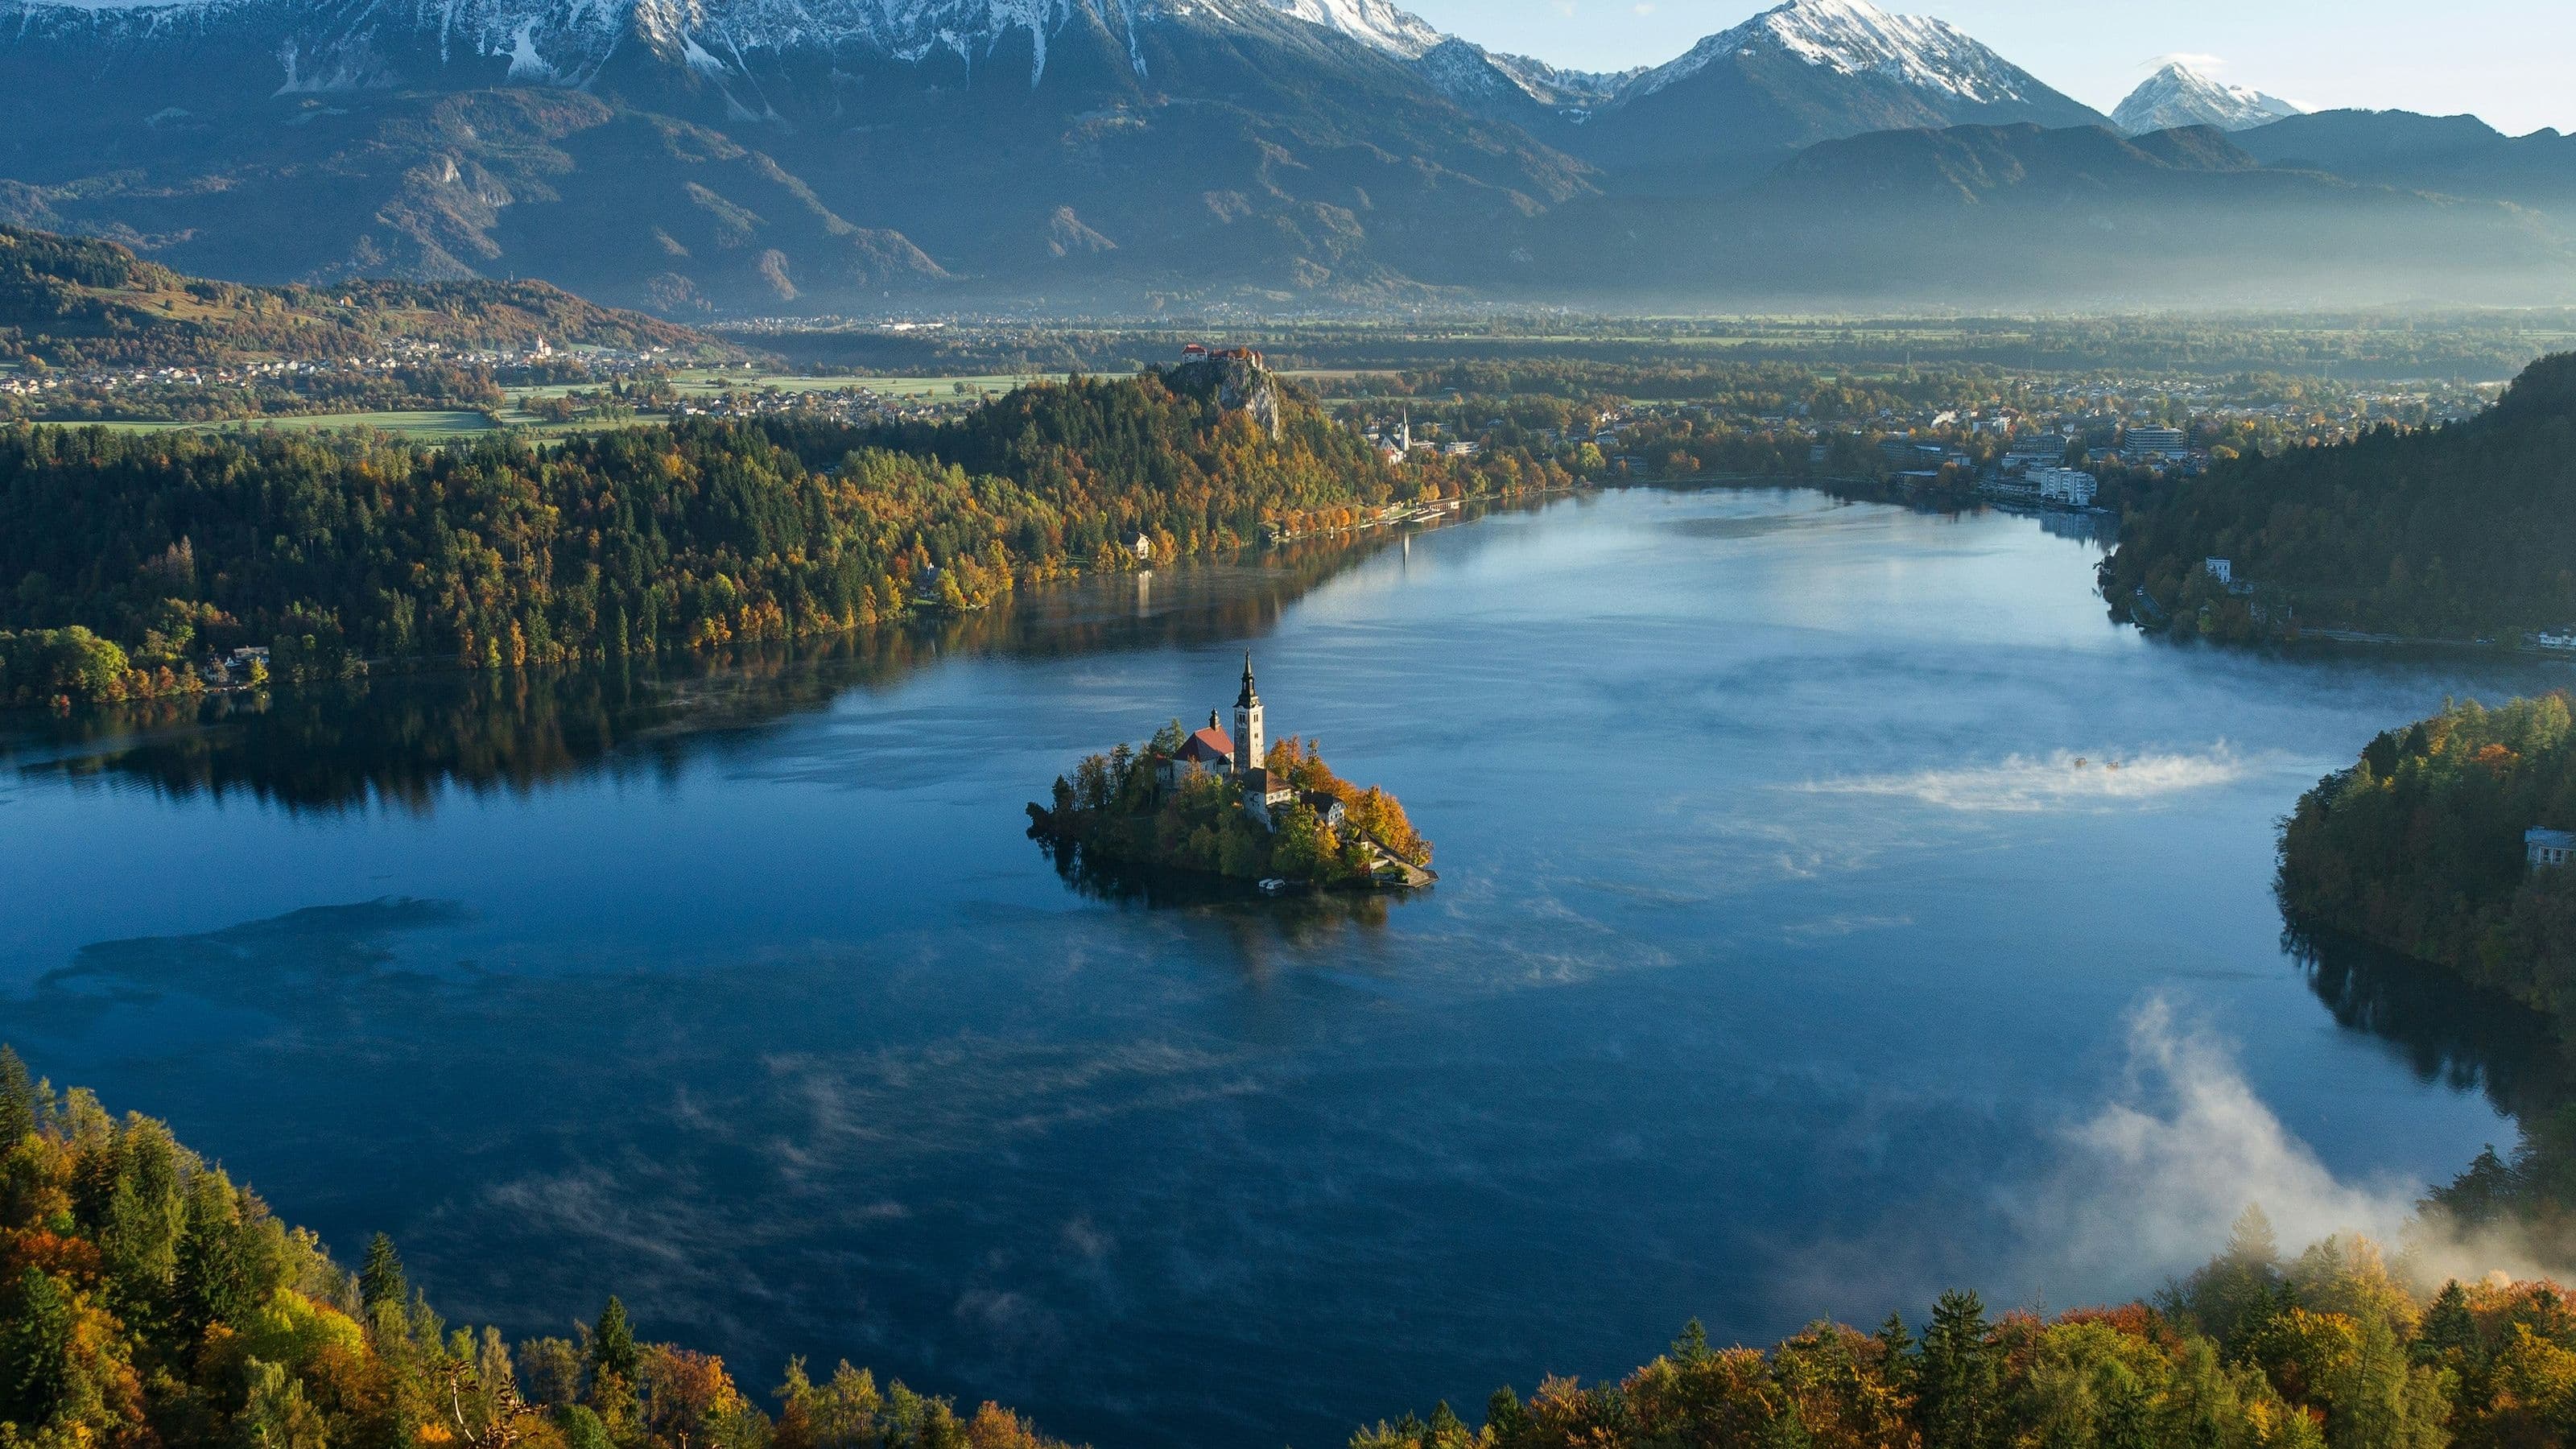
<point x="2418" y="847"/>
<point x="124" y="557"/>
<point x="149" y="1302"/>
<point x="2453" y="532"/>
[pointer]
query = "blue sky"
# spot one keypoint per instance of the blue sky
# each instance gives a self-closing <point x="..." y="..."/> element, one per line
<point x="2505" y="60"/>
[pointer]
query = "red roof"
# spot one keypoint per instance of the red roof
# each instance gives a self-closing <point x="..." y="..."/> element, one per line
<point x="1208" y="744"/>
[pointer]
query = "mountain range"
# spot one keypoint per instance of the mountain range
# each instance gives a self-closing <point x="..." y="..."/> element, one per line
<point x="710" y="157"/>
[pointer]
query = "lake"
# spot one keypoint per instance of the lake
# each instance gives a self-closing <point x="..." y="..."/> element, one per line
<point x="1835" y="907"/>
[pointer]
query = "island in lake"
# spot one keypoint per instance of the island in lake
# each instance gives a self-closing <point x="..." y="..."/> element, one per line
<point x="1237" y="805"/>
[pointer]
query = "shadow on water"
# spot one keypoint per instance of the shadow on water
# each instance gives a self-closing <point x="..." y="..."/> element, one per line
<point x="398" y="740"/>
<point x="2444" y="1029"/>
<point x="1303" y="918"/>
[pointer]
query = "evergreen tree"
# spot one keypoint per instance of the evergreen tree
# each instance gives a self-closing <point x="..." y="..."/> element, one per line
<point x="2448" y="1329"/>
<point x="1897" y="1348"/>
<point x="1692" y="1346"/>
<point x="612" y="1345"/>
<point x="35" y="1337"/>
<point x="1960" y="1376"/>
<point x="17" y="1099"/>
<point x="380" y="1278"/>
<point x="1504" y="1416"/>
<point x="215" y="1283"/>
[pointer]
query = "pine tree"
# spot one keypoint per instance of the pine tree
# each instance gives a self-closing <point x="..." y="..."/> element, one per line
<point x="35" y="1336"/>
<point x="2447" y="1328"/>
<point x="1504" y="1416"/>
<point x="1897" y="1347"/>
<point x="2250" y="1241"/>
<point x="1692" y="1346"/>
<point x="612" y="1345"/>
<point x="1961" y="1378"/>
<point x="380" y="1279"/>
<point x="17" y="1099"/>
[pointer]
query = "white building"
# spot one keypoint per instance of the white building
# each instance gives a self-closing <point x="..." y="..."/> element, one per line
<point x="2548" y="847"/>
<point x="2223" y="570"/>
<point x="2068" y="486"/>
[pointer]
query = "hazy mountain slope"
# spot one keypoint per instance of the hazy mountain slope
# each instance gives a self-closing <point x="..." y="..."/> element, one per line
<point x="2022" y="216"/>
<point x="2177" y="95"/>
<point x="1809" y="71"/>
<point x="114" y="307"/>
<point x="2452" y="155"/>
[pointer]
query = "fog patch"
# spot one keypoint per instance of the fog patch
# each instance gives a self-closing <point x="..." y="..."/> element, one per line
<point x="2149" y="1185"/>
<point x="2063" y="780"/>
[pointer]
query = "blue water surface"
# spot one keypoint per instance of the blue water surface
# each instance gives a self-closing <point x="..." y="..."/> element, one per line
<point x="1835" y="906"/>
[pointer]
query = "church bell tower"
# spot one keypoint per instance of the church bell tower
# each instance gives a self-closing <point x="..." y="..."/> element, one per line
<point x="1251" y="749"/>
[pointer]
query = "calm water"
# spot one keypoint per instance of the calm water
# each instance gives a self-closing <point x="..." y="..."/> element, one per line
<point x="1795" y="952"/>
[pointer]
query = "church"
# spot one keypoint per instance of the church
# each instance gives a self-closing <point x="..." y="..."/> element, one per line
<point x="1240" y="756"/>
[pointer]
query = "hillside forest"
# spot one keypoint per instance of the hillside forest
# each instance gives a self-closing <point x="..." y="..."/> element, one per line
<point x="2454" y="532"/>
<point x="124" y="557"/>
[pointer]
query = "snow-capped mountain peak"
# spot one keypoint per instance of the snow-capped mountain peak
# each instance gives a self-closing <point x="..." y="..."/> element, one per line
<point x="1378" y="23"/>
<point x="2177" y="95"/>
<point x="1858" y="38"/>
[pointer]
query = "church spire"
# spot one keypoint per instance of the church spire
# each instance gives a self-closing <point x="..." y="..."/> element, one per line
<point x="1251" y="748"/>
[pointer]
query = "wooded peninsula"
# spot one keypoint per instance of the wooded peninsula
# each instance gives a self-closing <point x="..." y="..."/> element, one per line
<point x="2435" y="844"/>
<point x="2457" y="532"/>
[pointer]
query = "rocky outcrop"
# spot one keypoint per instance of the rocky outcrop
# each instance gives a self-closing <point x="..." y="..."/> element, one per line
<point x="1239" y="381"/>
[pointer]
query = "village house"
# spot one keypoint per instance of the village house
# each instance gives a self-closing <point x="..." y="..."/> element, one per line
<point x="2543" y="847"/>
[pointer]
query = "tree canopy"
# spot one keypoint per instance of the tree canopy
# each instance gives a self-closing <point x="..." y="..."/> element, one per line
<point x="2457" y="531"/>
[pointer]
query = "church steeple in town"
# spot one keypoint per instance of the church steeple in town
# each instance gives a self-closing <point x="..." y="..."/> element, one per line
<point x="1250" y="749"/>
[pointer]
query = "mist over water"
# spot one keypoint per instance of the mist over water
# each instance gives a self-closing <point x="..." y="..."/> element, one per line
<point x="1835" y="908"/>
